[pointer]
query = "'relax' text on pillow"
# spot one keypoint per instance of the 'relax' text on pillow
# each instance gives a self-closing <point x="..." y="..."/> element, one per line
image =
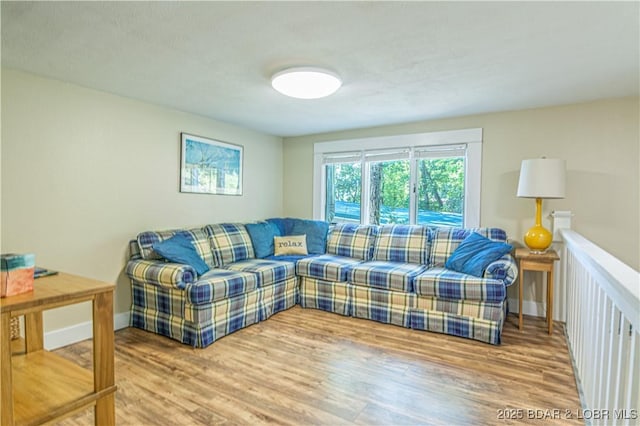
<point x="293" y="244"/>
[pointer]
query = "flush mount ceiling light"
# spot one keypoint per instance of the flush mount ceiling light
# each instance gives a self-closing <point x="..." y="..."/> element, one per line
<point x="306" y="82"/>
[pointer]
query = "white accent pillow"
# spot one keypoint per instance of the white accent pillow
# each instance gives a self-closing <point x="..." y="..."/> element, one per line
<point x="292" y="244"/>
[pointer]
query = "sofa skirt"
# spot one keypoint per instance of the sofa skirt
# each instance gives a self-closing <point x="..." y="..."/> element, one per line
<point x="472" y="320"/>
<point x="389" y="307"/>
<point x="325" y="295"/>
<point x="279" y="297"/>
<point x="164" y="311"/>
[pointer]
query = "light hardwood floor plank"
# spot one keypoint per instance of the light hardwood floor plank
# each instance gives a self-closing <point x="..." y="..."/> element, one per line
<point x="305" y="366"/>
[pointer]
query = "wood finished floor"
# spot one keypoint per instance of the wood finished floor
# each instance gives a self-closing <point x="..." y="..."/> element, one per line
<point x="304" y="366"/>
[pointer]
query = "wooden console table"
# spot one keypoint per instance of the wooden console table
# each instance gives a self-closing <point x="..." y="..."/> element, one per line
<point x="528" y="261"/>
<point x="39" y="386"/>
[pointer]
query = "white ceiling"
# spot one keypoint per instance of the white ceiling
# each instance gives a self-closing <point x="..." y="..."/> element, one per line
<point x="400" y="61"/>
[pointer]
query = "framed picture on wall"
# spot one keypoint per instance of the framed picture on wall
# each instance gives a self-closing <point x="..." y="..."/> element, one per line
<point x="209" y="166"/>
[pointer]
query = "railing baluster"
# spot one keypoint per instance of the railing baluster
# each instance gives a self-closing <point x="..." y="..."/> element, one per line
<point x="580" y="320"/>
<point x="633" y="387"/>
<point x="623" y="352"/>
<point x="602" y="329"/>
<point x="613" y="357"/>
<point x="591" y="332"/>
<point x="600" y="347"/>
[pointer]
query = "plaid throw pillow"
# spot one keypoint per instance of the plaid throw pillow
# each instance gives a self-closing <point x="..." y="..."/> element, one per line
<point x="197" y="236"/>
<point x="230" y="242"/>
<point x="403" y="243"/>
<point x="350" y="240"/>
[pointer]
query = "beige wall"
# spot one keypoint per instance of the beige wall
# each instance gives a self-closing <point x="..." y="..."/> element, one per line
<point x="599" y="140"/>
<point x="84" y="171"/>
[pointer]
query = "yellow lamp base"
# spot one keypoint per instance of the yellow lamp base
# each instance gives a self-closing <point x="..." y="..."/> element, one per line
<point x="538" y="239"/>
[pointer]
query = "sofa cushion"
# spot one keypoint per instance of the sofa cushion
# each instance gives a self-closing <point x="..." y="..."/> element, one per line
<point x="198" y="238"/>
<point x="351" y="240"/>
<point x="446" y="240"/>
<point x="218" y="284"/>
<point x="230" y="242"/>
<point x="268" y="271"/>
<point x="403" y="243"/>
<point x="179" y="249"/>
<point x="450" y="285"/>
<point x="326" y="267"/>
<point x="134" y="250"/>
<point x="385" y="275"/>
<point x="475" y="253"/>
<point x="262" y="234"/>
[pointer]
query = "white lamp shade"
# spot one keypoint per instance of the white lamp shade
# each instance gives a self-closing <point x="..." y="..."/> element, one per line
<point x="542" y="178"/>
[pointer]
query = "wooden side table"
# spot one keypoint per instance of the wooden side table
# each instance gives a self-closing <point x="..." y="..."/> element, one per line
<point x="528" y="261"/>
<point x="39" y="386"/>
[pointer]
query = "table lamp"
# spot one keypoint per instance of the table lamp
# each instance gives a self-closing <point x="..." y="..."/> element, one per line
<point x="541" y="178"/>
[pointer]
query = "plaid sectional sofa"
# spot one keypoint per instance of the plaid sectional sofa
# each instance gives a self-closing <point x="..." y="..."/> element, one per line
<point x="239" y="290"/>
<point x="393" y="274"/>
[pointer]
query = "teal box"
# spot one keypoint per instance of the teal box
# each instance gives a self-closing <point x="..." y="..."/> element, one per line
<point x="12" y="261"/>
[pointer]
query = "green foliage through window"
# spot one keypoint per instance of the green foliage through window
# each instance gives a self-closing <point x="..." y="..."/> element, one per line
<point x="441" y="184"/>
<point x="440" y="189"/>
<point x="343" y="186"/>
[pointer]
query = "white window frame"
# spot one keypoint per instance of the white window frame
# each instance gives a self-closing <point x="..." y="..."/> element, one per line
<point x="472" y="138"/>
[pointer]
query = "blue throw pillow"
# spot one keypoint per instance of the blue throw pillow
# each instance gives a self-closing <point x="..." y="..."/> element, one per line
<point x="475" y="253"/>
<point x="316" y="232"/>
<point x="179" y="249"/>
<point x="261" y="235"/>
<point x="284" y="224"/>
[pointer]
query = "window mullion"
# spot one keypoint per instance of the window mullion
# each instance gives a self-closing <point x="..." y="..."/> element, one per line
<point x="413" y="182"/>
<point x="364" y="190"/>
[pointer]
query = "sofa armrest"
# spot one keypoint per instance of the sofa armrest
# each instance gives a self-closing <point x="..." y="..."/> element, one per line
<point x="156" y="272"/>
<point x="505" y="269"/>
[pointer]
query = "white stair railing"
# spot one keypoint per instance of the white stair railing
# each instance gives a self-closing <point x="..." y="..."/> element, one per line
<point x="602" y="327"/>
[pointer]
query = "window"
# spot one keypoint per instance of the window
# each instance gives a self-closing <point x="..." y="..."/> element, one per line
<point x="389" y="192"/>
<point x="441" y="186"/>
<point x="428" y="178"/>
<point x="343" y="183"/>
<point x="389" y="188"/>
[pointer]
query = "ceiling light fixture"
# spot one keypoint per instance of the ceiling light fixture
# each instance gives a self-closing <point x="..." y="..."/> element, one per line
<point x="306" y="82"/>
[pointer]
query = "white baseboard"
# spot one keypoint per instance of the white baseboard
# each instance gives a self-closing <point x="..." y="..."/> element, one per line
<point x="76" y="333"/>
<point x="535" y="309"/>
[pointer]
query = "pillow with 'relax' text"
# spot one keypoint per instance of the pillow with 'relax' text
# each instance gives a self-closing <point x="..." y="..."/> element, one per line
<point x="292" y="244"/>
